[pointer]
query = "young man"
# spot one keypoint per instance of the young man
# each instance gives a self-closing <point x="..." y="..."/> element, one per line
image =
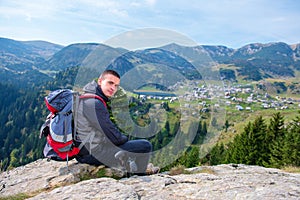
<point x="102" y="139"/>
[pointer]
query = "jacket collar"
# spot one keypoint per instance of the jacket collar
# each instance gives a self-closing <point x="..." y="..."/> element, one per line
<point x="100" y="93"/>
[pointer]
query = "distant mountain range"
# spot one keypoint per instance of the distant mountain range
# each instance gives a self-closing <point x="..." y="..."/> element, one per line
<point x="32" y="62"/>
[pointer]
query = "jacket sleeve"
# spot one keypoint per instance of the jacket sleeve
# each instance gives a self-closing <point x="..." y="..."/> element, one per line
<point x="98" y="115"/>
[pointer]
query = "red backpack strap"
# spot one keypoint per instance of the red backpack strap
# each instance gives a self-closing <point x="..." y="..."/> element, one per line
<point x="88" y="95"/>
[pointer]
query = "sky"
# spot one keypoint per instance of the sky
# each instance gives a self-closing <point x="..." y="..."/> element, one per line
<point x="232" y="23"/>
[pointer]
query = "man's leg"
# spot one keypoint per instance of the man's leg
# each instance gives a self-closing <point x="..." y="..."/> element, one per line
<point x="140" y="150"/>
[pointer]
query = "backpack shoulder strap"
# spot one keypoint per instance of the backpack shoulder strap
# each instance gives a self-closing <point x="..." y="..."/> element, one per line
<point x="88" y="95"/>
<point x="76" y="97"/>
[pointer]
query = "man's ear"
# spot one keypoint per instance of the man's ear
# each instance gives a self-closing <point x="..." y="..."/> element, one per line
<point x="99" y="81"/>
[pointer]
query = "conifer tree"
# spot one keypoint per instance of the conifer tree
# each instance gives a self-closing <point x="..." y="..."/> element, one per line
<point x="226" y="126"/>
<point x="167" y="127"/>
<point x="192" y="158"/>
<point x="291" y="147"/>
<point x="275" y="139"/>
<point x="256" y="142"/>
<point x="239" y="148"/>
<point x="217" y="154"/>
<point x="231" y="155"/>
<point x="14" y="158"/>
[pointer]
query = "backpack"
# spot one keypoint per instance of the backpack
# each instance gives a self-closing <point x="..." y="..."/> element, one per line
<point x="61" y="124"/>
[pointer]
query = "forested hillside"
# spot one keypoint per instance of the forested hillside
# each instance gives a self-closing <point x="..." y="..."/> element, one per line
<point x="269" y="144"/>
<point x="22" y="112"/>
<point x="20" y="117"/>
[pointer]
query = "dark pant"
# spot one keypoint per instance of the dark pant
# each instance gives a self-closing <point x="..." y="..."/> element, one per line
<point x="139" y="150"/>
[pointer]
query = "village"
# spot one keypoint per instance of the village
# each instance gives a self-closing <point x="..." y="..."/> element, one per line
<point x="239" y="97"/>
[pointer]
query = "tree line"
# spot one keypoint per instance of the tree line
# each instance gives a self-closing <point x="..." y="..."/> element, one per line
<point x="273" y="144"/>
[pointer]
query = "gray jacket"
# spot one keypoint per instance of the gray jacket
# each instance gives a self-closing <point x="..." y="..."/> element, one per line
<point x="94" y="126"/>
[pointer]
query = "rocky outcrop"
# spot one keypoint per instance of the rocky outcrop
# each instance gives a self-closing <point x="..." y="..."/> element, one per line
<point x="54" y="180"/>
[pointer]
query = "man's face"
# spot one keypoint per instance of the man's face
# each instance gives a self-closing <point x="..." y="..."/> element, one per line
<point x="109" y="84"/>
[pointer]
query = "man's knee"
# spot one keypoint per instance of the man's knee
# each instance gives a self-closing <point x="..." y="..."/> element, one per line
<point x="147" y="145"/>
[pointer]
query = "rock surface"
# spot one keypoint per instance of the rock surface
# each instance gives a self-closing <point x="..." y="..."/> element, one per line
<point x="53" y="180"/>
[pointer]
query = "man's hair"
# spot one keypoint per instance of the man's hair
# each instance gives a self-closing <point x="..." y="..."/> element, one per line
<point x="109" y="71"/>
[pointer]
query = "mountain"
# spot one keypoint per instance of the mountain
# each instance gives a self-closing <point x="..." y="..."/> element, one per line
<point x="296" y="49"/>
<point x="201" y="55"/>
<point x="253" y="61"/>
<point x="21" y="56"/>
<point x="152" y="66"/>
<point x="296" y="55"/>
<point x="19" y="61"/>
<point x="42" y="60"/>
<point x="91" y="59"/>
<point x="274" y="59"/>
<point x="43" y="48"/>
<point x="23" y="63"/>
<point x="70" y="56"/>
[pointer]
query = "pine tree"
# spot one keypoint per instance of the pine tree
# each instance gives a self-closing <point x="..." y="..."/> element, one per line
<point x="291" y="148"/>
<point x="256" y="142"/>
<point x="226" y="126"/>
<point x="217" y="154"/>
<point x="239" y="148"/>
<point x="231" y="156"/>
<point x="276" y="133"/>
<point x="167" y="127"/>
<point x="192" y="159"/>
<point x="14" y="158"/>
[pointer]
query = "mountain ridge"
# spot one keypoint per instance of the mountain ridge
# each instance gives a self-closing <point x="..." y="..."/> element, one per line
<point x="251" y="62"/>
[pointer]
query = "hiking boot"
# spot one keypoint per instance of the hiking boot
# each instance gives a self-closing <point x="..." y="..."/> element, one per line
<point x="151" y="169"/>
<point x="132" y="165"/>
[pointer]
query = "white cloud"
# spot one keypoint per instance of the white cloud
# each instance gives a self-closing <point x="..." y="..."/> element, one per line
<point x="150" y="2"/>
<point x="208" y="22"/>
<point x="148" y="37"/>
<point x="35" y="8"/>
